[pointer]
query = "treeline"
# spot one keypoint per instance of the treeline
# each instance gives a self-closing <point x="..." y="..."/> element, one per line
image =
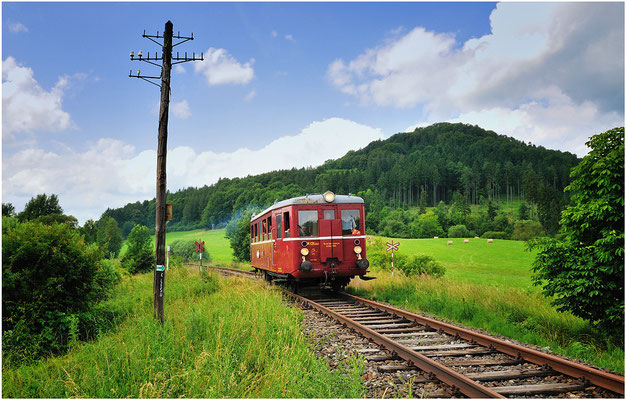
<point x="421" y="168"/>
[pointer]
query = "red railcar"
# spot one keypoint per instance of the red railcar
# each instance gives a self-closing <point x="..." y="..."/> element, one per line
<point x="309" y="240"/>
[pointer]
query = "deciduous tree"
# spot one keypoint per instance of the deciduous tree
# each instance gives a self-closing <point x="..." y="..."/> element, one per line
<point x="585" y="271"/>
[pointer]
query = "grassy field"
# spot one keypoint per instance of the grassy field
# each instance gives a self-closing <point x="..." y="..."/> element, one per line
<point x="486" y="286"/>
<point x="501" y="263"/>
<point x="215" y="243"/>
<point x="219" y="340"/>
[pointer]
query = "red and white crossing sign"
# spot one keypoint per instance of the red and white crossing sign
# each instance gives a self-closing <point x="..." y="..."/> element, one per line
<point x="392" y="246"/>
<point x="200" y="246"/>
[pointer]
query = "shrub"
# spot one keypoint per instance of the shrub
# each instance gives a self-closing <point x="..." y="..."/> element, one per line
<point x="185" y="250"/>
<point x="140" y="255"/>
<point x="50" y="281"/>
<point x="109" y="236"/>
<point x="527" y="229"/>
<point x="238" y="232"/>
<point x="421" y="264"/>
<point x="495" y="235"/>
<point x="426" y="226"/>
<point x="458" y="231"/>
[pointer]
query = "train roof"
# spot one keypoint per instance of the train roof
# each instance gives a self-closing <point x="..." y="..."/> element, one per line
<point x="312" y="199"/>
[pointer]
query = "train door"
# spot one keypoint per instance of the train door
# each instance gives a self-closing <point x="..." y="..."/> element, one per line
<point x="330" y="235"/>
<point x="276" y="235"/>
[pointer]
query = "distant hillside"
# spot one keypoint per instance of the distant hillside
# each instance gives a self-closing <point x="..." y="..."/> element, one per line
<point x="430" y="163"/>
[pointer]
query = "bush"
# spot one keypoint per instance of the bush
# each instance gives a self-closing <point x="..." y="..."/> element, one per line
<point x="238" y="232"/>
<point x="421" y="264"/>
<point x="426" y="226"/>
<point x="495" y="235"/>
<point x="527" y="229"/>
<point x="140" y="255"/>
<point x="458" y="231"/>
<point x="50" y="281"/>
<point x="185" y="250"/>
<point x="109" y="236"/>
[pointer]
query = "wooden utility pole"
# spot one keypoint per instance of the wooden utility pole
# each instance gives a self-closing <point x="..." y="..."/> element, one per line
<point x="161" y="185"/>
<point x="161" y="176"/>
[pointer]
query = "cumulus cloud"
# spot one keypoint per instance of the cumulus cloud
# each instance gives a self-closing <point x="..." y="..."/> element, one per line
<point x="220" y="68"/>
<point x="547" y="58"/>
<point x="17" y="27"/>
<point x="112" y="173"/>
<point x="555" y="123"/>
<point x="179" y="69"/>
<point x="26" y="106"/>
<point x="578" y="47"/>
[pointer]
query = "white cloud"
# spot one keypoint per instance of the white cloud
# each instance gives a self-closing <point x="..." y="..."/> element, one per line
<point x="290" y="37"/>
<point x="219" y="68"/>
<point x="556" y="122"/>
<point x="17" y="27"/>
<point x="251" y="95"/>
<point x="274" y="34"/>
<point x="179" y="69"/>
<point x="578" y="47"/>
<point x="26" y="107"/>
<point x="111" y="173"/>
<point x="181" y="109"/>
<point x="540" y="62"/>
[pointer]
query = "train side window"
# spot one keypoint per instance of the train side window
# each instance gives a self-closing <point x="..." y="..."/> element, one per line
<point x="269" y="227"/>
<point x="329" y="214"/>
<point x="307" y="223"/>
<point x="287" y="225"/>
<point x="350" y="222"/>
<point x="259" y="231"/>
<point x="279" y="226"/>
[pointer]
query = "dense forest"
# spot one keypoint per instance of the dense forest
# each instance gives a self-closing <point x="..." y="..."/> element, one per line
<point x="424" y="168"/>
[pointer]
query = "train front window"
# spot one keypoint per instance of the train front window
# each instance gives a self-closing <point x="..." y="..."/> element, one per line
<point x="307" y="223"/>
<point x="329" y="214"/>
<point x="350" y="222"/>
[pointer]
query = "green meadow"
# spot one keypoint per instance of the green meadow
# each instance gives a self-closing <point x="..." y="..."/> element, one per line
<point x="486" y="286"/>
<point x="222" y="338"/>
<point x="215" y="243"/>
<point x="501" y="263"/>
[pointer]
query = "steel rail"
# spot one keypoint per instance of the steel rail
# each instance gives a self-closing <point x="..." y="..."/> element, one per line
<point x="606" y="380"/>
<point x="465" y="385"/>
<point x="226" y="269"/>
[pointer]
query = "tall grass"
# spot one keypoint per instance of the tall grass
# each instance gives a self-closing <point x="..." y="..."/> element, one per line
<point x="518" y="313"/>
<point x="221" y="338"/>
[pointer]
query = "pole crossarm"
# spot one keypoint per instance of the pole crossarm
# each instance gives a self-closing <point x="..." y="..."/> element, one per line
<point x="145" y="78"/>
<point x="151" y="59"/>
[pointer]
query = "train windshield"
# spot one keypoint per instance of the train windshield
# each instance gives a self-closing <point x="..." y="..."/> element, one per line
<point x="307" y="223"/>
<point x="350" y="222"/>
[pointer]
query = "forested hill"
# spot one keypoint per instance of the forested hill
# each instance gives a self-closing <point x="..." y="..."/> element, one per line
<point x="427" y="165"/>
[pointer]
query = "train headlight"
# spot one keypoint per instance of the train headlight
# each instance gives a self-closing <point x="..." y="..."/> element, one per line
<point x="304" y="251"/>
<point x="329" y="197"/>
<point x="357" y="249"/>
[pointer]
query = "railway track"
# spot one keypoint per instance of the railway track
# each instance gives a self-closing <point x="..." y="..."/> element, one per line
<point x="470" y="363"/>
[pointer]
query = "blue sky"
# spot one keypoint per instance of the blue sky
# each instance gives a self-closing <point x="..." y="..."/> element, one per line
<point x="287" y="85"/>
